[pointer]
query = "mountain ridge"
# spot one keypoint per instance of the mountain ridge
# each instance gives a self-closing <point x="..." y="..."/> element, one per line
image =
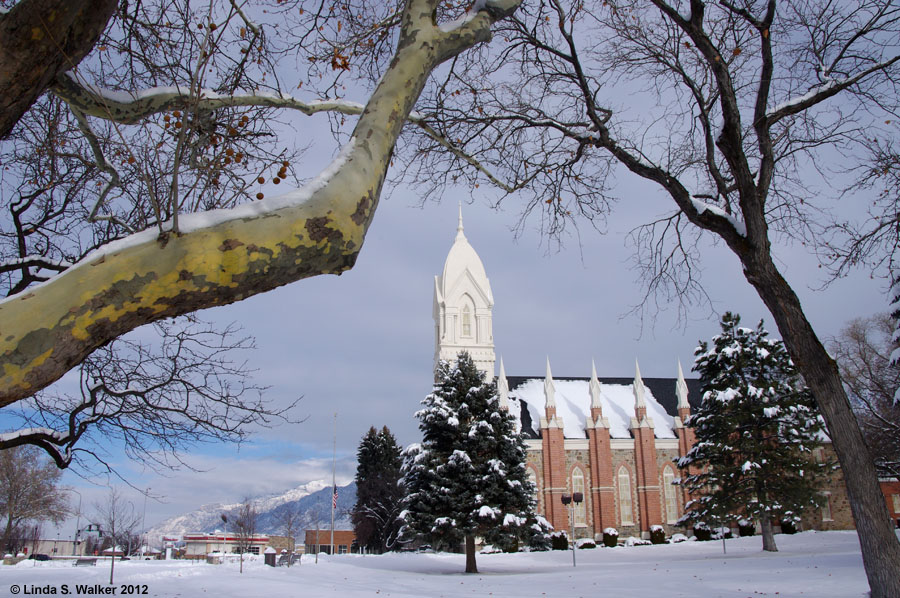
<point x="312" y="501"/>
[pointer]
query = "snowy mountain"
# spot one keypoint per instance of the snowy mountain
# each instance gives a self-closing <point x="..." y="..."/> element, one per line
<point x="312" y="500"/>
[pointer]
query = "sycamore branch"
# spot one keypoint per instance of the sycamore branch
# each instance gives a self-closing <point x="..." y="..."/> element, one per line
<point x="133" y="107"/>
<point x="823" y="92"/>
<point x="227" y="255"/>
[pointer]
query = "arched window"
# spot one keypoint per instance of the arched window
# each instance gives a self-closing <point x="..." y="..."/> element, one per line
<point x="467" y="321"/>
<point x="625" y="512"/>
<point x="578" y="486"/>
<point x="669" y="495"/>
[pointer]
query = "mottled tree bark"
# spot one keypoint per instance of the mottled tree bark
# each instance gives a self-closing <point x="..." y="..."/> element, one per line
<point x="47" y="330"/>
<point x="880" y="548"/>
<point x="40" y="39"/>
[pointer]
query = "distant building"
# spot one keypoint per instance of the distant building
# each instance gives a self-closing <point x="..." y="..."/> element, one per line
<point x="198" y="545"/>
<point x="615" y="440"/>
<point x="891" y="489"/>
<point x="320" y="541"/>
<point x="56" y="547"/>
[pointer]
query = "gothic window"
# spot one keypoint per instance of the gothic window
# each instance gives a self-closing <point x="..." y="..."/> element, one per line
<point x="467" y="321"/>
<point x="896" y="500"/>
<point x="669" y="495"/>
<point x="580" y="509"/>
<point x="625" y="512"/>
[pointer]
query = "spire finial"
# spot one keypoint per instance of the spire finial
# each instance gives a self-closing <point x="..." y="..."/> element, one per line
<point x="503" y="387"/>
<point x="681" y="390"/>
<point x="595" y="387"/>
<point x="638" y="387"/>
<point x="459" y="227"/>
<point x="549" y="390"/>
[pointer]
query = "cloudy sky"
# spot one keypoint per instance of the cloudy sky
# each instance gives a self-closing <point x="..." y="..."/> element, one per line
<point x="358" y="348"/>
<point x="361" y="345"/>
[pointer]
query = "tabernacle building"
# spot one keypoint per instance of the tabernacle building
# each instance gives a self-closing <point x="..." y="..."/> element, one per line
<point x="615" y="440"/>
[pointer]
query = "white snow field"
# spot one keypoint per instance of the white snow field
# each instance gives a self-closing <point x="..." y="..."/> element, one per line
<point x="815" y="564"/>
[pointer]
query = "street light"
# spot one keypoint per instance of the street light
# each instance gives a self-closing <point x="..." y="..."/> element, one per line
<point x="224" y="534"/>
<point x="572" y="499"/>
<point x="77" y="521"/>
<point x="144" y="527"/>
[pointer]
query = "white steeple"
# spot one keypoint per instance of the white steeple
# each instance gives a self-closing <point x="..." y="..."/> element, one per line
<point x="463" y="306"/>
<point x="681" y="390"/>
<point x="549" y="389"/>
<point x="595" y="388"/>
<point x="638" y="387"/>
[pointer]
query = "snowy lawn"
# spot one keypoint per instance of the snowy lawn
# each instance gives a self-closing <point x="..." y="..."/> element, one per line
<point x="819" y="564"/>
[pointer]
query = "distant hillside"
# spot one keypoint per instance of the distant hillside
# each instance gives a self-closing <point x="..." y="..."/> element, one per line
<point x="313" y="500"/>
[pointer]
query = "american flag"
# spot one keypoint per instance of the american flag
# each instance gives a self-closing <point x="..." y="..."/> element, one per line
<point x="334" y="498"/>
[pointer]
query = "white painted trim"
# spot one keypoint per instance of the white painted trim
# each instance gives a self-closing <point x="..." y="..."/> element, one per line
<point x="621" y="444"/>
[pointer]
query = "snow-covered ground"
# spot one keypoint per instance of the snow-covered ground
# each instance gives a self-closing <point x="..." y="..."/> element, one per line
<point x="819" y="564"/>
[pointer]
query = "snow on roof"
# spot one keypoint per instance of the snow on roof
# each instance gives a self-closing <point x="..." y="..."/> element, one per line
<point x="573" y="404"/>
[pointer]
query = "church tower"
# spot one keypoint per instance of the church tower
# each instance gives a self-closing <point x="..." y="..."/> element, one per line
<point x="463" y="305"/>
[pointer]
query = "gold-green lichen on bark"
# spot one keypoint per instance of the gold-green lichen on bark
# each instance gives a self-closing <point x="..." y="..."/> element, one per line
<point x="49" y="329"/>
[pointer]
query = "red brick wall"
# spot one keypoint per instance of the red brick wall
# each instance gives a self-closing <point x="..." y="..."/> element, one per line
<point x="891" y="491"/>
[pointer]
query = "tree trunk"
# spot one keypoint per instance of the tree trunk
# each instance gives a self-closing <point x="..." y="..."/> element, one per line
<point x="7" y="541"/>
<point x="471" y="567"/>
<point x="768" y="535"/>
<point x="250" y="249"/>
<point x="39" y="39"/>
<point x="879" y="545"/>
<point x="112" y="564"/>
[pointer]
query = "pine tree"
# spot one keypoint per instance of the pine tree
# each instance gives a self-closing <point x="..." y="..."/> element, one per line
<point x="756" y="431"/>
<point x="379" y="494"/>
<point x="468" y="476"/>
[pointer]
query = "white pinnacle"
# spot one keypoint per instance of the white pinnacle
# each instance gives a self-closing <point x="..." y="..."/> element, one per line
<point x="681" y="390"/>
<point x="503" y="386"/>
<point x="638" y="387"/>
<point x="459" y="227"/>
<point x="595" y="387"/>
<point x="549" y="390"/>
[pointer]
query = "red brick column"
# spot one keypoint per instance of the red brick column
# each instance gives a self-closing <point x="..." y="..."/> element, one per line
<point x="647" y="472"/>
<point x="686" y="440"/>
<point x="602" y="490"/>
<point x="554" y="458"/>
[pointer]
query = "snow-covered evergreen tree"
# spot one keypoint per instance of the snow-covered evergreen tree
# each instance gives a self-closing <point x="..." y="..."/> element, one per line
<point x="756" y="430"/>
<point x="895" y="339"/>
<point x="468" y="477"/>
<point x="379" y="494"/>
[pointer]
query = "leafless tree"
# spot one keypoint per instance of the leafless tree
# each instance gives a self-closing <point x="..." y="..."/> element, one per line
<point x="731" y="109"/>
<point x="870" y="237"/>
<point x="244" y="524"/>
<point x="863" y="351"/>
<point x="30" y="492"/>
<point x="118" y="522"/>
<point x="37" y="49"/>
<point x="175" y="112"/>
<point x="157" y="396"/>
<point x="290" y="520"/>
<point x="117" y="151"/>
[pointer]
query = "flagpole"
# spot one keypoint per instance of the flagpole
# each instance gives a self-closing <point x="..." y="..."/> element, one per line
<point x="333" y="484"/>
